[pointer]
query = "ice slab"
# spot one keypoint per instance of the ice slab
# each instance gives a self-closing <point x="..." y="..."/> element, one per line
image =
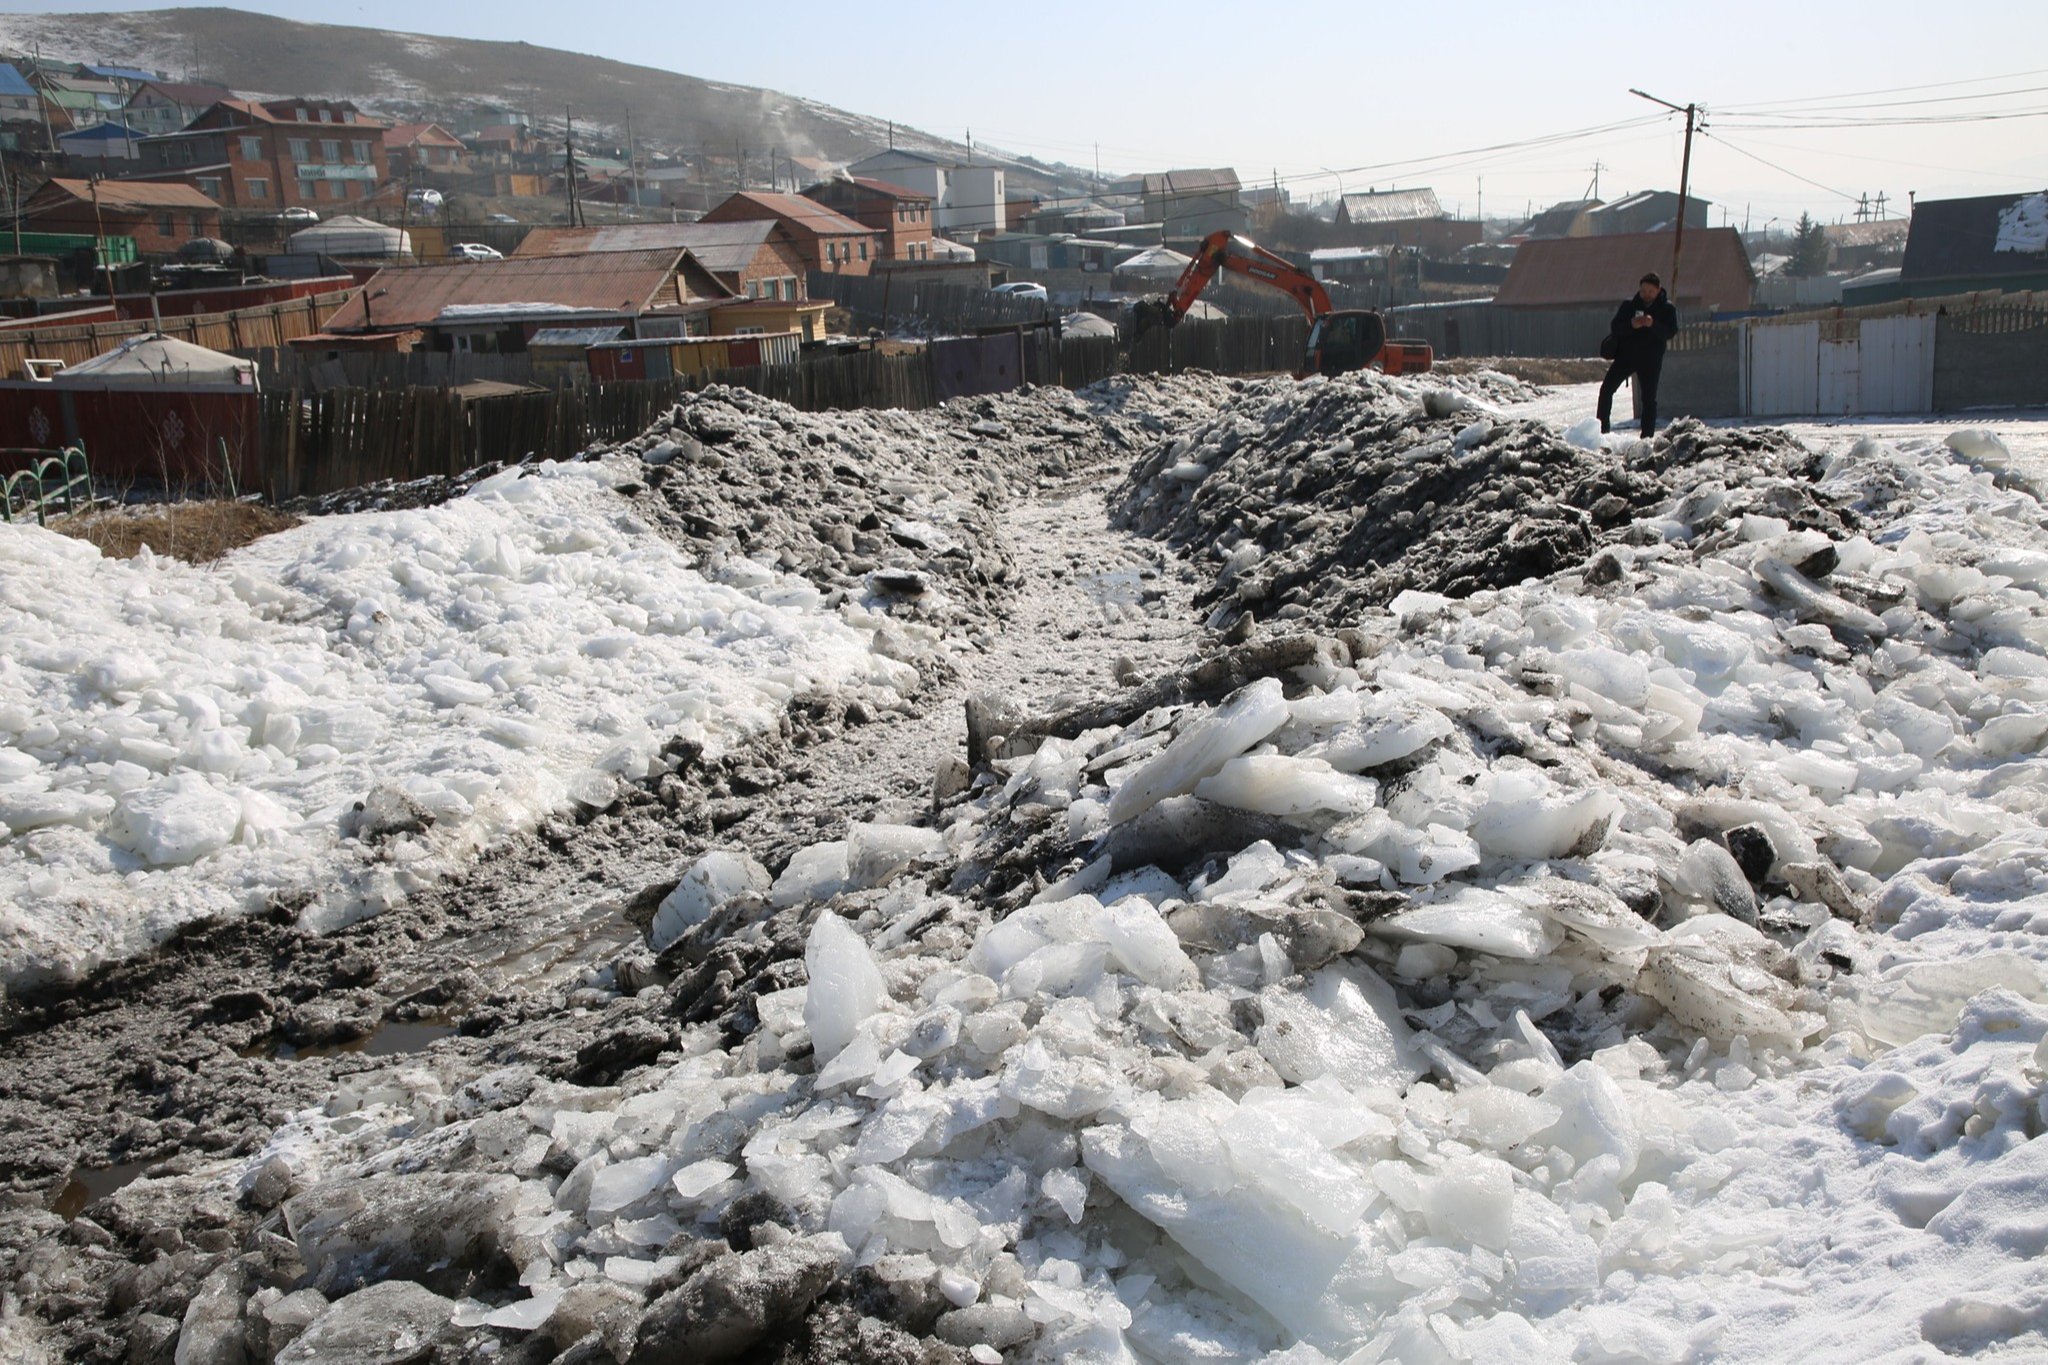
<point x="845" y="984"/>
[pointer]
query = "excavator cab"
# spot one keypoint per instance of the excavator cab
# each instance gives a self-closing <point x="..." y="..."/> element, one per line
<point x="1347" y="340"/>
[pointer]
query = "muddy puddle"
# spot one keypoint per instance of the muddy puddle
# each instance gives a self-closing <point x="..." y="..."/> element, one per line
<point x="88" y="1186"/>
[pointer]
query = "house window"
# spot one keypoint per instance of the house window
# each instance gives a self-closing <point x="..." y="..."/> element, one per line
<point x="327" y="116"/>
<point x="301" y="112"/>
<point x="259" y="188"/>
<point x="166" y="225"/>
<point x="209" y="185"/>
<point x="198" y="226"/>
<point x="252" y="149"/>
<point x="330" y="150"/>
<point x="362" y="151"/>
<point x="863" y="248"/>
<point x="298" y="148"/>
<point x="336" y="189"/>
<point x="185" y="153"/>
<point x="749" y="331"/>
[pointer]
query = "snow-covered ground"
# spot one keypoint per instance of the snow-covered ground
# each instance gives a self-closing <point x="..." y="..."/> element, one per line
<point x="180" y="741"/>
<point x="1648" y="963"/>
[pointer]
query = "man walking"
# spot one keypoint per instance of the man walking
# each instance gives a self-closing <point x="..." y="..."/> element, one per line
<point x="1642" y="325"/>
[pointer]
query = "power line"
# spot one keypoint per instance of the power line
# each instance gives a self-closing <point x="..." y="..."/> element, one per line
<point x="1889" y="90"/>
<point x="1780" y="169"/>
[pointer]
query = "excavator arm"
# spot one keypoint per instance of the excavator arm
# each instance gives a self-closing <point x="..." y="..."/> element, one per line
<point x="1338" y="341"/>
<point x="1225" y="250"/>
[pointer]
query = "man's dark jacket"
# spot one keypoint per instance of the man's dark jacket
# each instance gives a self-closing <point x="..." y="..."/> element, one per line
<point x="1644" y="345"/>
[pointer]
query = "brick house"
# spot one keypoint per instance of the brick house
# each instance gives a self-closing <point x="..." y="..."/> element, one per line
<point x="427" y="146"/>
<point x="159" y="107"/>
<point x="755" y="259"/>
<point x="827" y="241"/>
<point x="902" y="216"/>
<point x="160" y="217"/>
<point x="282" y="154"/>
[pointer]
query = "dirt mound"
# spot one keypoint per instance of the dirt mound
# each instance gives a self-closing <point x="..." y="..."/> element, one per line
<point x="1315" y="501"/>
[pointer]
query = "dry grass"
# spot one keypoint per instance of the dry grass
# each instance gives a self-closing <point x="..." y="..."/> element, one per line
<point x="196" y="532"/>
<point x="1530" y="369"/>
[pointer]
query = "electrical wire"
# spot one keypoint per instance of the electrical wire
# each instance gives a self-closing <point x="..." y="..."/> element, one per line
<point x="1889" y="90"/>
<point x="1843" y="194"/>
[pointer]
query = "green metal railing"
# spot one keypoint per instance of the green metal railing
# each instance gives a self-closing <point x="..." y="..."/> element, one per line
<point x="53" y="477"/>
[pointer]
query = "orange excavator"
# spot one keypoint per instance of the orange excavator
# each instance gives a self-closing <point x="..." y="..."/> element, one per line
<point x="1340" y="340"/>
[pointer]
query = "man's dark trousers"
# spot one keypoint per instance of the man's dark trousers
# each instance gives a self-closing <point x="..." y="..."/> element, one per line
<point x="1646" y="368"/>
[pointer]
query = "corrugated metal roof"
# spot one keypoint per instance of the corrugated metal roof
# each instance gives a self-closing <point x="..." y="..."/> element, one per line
<point x="1879" y="233"/>
<point x="124" y="73"/>
<point x="1586" y="272"/>
<point x="575" y="336"/>
<point x="405" y="134"/>
<point x="130" y="194"/>
<point x="1391" y="206"/>
<point x="1954" y="238"/>
<point x="892" y="190"/>
<point x="188" y="94"/>
<point x="722" y="248"/>
<point x="414" y="296"/>
<point x="1557" y="220"/>
<point x="808" y="214"/>
<point x="12" y="82"/>
<point x="1203" y="180"/>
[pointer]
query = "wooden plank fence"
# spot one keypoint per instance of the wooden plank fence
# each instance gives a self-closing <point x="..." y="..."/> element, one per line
<point x="270" y="325"/>
<point x="316" y="442"/>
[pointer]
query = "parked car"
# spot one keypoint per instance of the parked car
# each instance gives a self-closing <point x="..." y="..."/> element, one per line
<point x="475" y="251"/>
<point x="1022" y="289"/>
<point x="423" y="201"/>
<point x="503" y="218"/>
<point x="298" y="214"/>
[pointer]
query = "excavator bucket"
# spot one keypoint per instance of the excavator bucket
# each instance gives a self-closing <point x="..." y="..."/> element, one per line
<point x="1149" y="313"/>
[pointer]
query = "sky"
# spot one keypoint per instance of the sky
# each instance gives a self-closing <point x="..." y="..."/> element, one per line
<point x="1496" y="106"/>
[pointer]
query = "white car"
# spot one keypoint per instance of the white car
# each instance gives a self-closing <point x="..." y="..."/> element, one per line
<point x="1022" y="289"/>
<point x="425" y="201"/>
<point x="298" y="214"/>
<point x="475" y="251"/>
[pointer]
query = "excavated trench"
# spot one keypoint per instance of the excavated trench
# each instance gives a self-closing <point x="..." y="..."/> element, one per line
<point x="1295" y="508"/>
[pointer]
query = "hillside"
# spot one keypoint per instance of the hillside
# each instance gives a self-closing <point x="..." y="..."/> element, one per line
<point x="405" y="76"/>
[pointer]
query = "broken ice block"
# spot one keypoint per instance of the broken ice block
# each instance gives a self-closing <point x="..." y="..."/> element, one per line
<point x="1480" y="919"/>
<point x="876" y="853"/>
<point x="817" y="872"/>
<point x="1526" y="817"/>
<point x="1203" y="747"/>
<point x="712" y="880"/>
<point x="845" y="984"/>
<point x="1276" y="784"/>
<point x="1346" y="1026"/>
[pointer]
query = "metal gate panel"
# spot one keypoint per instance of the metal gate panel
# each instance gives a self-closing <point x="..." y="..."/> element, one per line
<point x="1781" y="369"/>
<point x="1897" y="364"/>
<point x="1838" y="378"/>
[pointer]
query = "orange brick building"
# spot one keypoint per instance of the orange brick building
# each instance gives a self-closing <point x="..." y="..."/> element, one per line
<point x="826" y="240"/>
<point x="903" y="217"/>
<point x="318" y="154"/>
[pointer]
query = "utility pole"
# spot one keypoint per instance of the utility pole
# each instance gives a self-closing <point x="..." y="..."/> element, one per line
<point x="1881" y="200"/>
<point x="1691" y="112"/>
<point x="100" y="245"/>
<point x="569" y="168"/>
<point x="632" y="161"/>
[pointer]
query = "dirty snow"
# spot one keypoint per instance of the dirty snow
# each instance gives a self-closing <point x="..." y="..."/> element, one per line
<point x="1642" y="960"/>
<point x="178" y="742"/>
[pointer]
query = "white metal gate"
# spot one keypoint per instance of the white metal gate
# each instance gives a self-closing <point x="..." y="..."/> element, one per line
<point x="1839" y="367"/>
<point x="1898" y="364"/>
<point x="1780" y="369"/>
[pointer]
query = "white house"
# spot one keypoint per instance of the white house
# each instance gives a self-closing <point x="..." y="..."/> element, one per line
<point x="965" y="199"/>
